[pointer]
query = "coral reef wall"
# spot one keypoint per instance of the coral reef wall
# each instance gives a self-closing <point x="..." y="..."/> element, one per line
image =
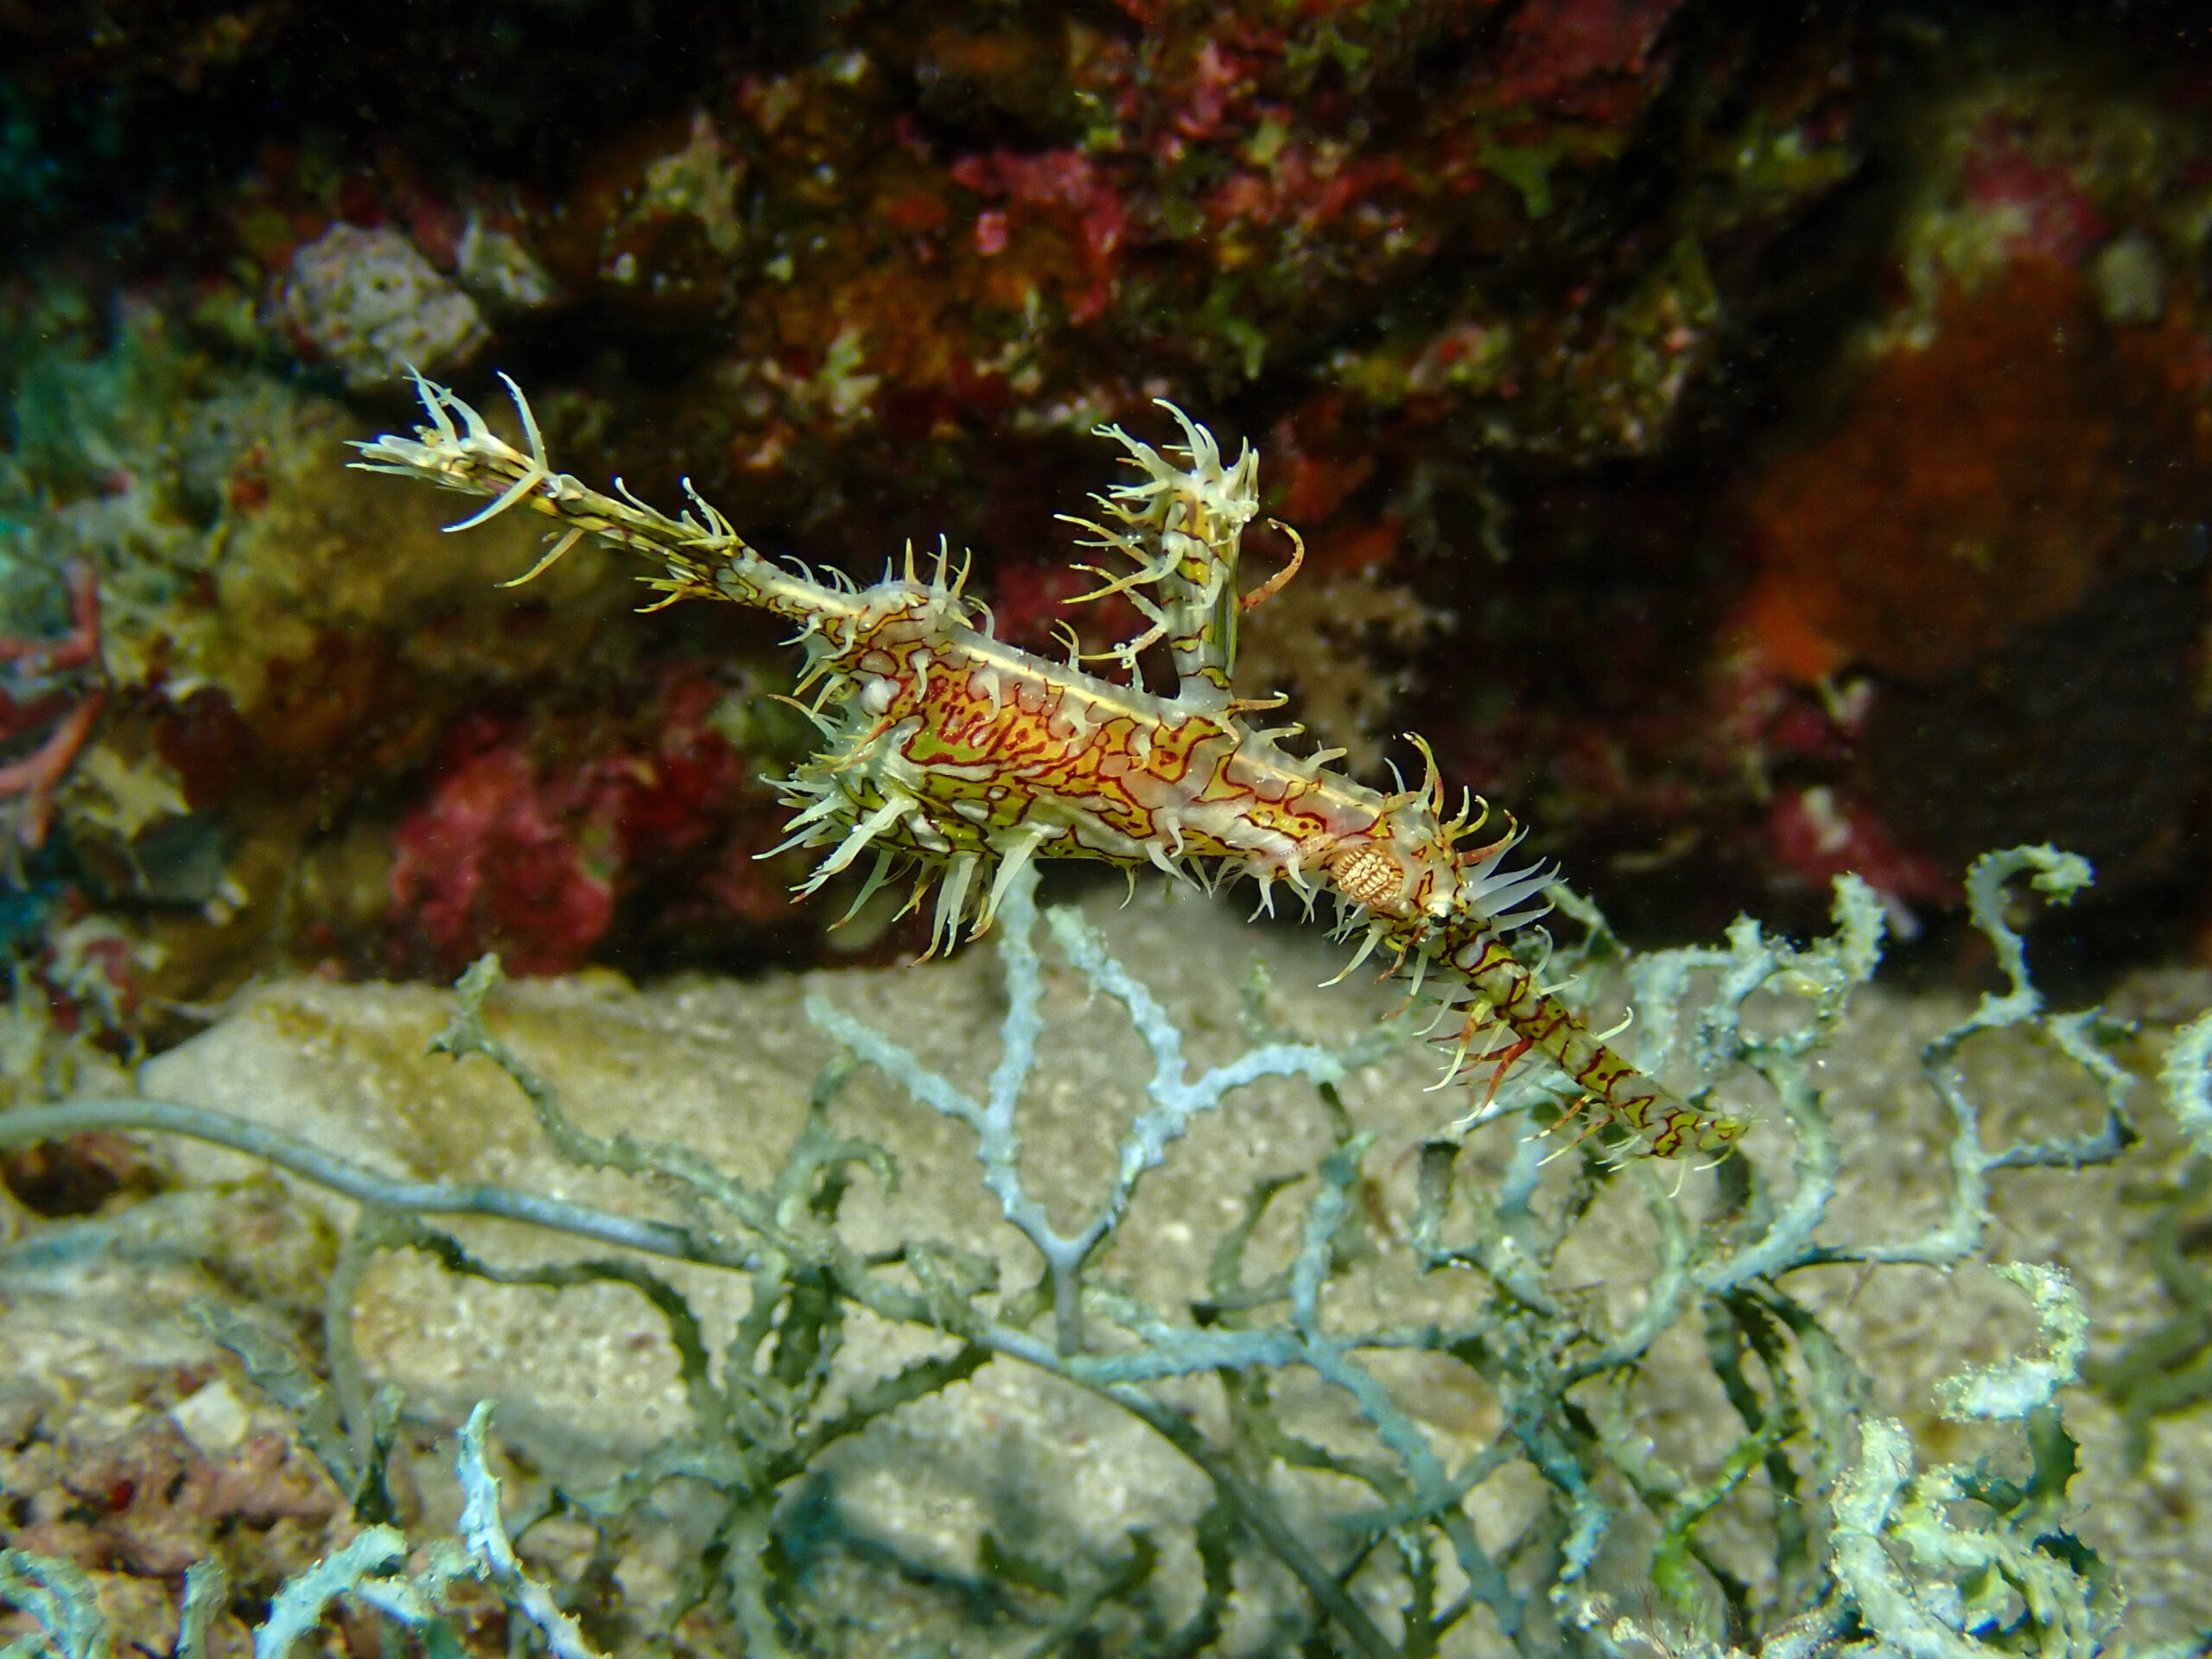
<point x="1750" y="443"/>
<point x="1765" y="448"/>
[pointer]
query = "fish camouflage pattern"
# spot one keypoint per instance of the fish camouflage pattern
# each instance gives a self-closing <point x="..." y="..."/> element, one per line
<point x="950" y="758"/>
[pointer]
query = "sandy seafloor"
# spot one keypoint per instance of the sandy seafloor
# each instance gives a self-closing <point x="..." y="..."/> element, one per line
<point x="94" y="1325"/>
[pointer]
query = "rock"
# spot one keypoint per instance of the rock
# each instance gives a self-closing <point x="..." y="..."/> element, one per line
<point x="373" y="306"/>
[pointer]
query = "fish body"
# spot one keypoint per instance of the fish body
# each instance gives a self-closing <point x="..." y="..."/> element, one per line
<point x="951" y="759"/>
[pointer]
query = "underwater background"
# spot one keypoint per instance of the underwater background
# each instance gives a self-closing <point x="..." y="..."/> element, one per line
<point x="1756" y="444"/>
<point x="1749" y="442"/>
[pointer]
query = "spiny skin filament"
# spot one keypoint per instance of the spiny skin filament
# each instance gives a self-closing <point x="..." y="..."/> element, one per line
<point x="952" y="759"/>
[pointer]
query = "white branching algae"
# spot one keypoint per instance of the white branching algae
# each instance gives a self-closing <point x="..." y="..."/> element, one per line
<point x="1838" y="1540"/>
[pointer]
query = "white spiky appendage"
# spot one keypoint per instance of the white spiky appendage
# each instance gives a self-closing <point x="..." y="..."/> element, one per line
<point x="1501" y="896"/>
<point x="1179" y="526"/>
<point x="700" y="555"/>
<point x="859" y="794"/>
